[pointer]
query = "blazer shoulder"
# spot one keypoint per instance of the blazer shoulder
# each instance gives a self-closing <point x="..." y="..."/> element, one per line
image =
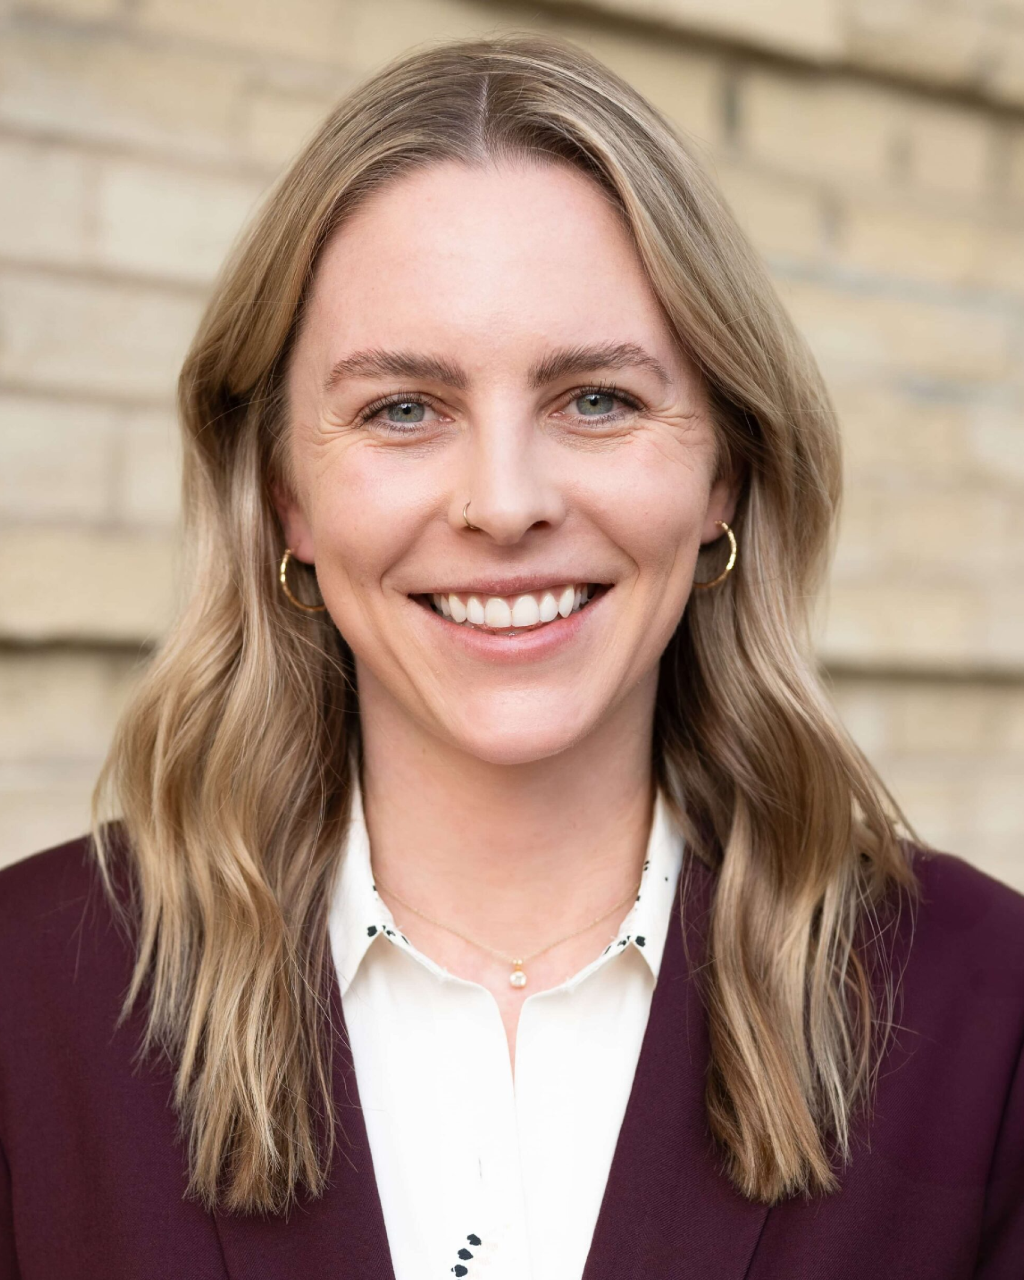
<point x="53" y="903"/>
<point x="960" y="893"/>
<point x="35" y="887"/>
<point x="965" y="919"/>
<point x="27" y="876"/>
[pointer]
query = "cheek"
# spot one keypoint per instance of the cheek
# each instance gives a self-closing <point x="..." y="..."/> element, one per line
<point x="365" y="516"/>
<point x="653" y="507"/>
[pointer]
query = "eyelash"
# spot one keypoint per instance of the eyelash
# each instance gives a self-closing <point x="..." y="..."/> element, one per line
<point x="394" y="428"/>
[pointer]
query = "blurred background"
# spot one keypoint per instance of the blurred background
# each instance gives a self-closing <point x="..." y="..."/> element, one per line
<point x="873" y="150"/>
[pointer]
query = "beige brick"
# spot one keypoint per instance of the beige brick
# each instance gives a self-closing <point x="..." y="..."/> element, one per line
<point x="864" y="713"/>
<point x="1001" y="260"/>
<point x="99" y="85"/>
<point x="56" y="459"/>
<point x="382" y="32"/>
<point x="1011" y="726"/>
<point x="957" y="534"/>
<point x="1002" y="642"/>
<point x="995" y="437"/>
<point x="853" y="332"/>
<point x="1014" y="169"/>
<point x="945" y="44"/>
<point x="811" y="28"/>
<point x="77" y="10"/>
<point x="40" y="808"/>
<point x="889" y="239"/>
<point x="276" y="124"/>
<point x="941" y="804"/>
<point x="982" y="720"/>
<point x="1009" y="733"/>
<point x="892" y="622"/>
<point x="151" y="470"/>
<point x="94" y="586"/>
<point x="45" y="203"/>
<point x="58" y="706"/>
<point x="820" y="127"/>
<point x="686" y="86"/>
<point x="949" y="149"/>
<point x="1006" y="79"/>
<point x="168" y="221"/>
<point x="1002" y="859"/>
<point x="901" y="439"/>
<point x="1000" y="813"/>
<point x="316" y="29"/>
<point x="782" y="216"/>
<point x="94" y="336"/>
<point x="942" y="718"/>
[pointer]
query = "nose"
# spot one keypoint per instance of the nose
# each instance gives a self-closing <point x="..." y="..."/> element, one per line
<point x="509" y="482"/>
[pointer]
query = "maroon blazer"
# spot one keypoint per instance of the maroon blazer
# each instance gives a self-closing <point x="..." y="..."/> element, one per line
<point x="91" y="1175"/>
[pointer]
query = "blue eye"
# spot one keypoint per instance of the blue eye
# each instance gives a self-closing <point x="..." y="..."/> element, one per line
<point x="396" y="415"/>
<point x="598" y="403"/>
<point x="399" y="411"/>
<point x="604" y="404"/>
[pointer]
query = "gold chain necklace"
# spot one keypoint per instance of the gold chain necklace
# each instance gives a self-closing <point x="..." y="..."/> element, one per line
<point x="517" y="977"/>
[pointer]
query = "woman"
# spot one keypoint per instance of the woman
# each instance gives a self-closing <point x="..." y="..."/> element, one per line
<point x="495" y="893"/>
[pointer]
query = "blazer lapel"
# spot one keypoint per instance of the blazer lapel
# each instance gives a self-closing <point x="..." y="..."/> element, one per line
<point x="667" y="1211"/>
<point x="337" y="1236"/>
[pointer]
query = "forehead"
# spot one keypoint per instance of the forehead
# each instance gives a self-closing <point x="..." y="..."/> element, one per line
<point x="500" y="253"/>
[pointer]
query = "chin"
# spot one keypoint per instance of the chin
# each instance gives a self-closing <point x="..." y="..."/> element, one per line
<point x="518" y="739"/>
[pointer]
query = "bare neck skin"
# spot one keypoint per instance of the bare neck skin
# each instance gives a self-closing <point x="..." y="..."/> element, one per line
<point x="513" y="856"/>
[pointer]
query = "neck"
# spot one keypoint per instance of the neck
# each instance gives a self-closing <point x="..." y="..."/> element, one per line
<point x="511" y="854"/>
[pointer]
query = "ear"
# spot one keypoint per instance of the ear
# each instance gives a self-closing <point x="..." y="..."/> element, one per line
<point x="297" y="533"/>
<point x="722" y="502"/>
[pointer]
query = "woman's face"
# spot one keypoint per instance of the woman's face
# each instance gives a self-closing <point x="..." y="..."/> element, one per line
<point x="487" y="335"/>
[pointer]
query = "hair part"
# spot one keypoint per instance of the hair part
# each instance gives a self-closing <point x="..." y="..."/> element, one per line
<point x="230" y="774"/>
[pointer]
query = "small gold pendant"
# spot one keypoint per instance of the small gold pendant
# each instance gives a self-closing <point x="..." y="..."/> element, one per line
<point x="517" y="977"/>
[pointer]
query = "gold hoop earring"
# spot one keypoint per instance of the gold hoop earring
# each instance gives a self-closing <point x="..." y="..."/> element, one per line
<point x="733" y="552"/>
<point x="466" y="518"/>
<point x="309" y="608"/>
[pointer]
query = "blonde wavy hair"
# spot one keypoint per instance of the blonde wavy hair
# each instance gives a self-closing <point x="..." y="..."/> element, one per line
<point x="227" y="789"/>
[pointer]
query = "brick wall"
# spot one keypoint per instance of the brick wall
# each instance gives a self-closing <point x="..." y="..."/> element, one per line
<point x="875" y="153"/>
<point x="974" y="45"/>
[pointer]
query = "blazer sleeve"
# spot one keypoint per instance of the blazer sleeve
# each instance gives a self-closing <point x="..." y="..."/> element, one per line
<point x="1001" y="1252"/>
<point x="8" y="1259"/>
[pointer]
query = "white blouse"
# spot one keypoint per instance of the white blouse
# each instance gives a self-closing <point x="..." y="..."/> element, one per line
<point x="480" y="1175"/>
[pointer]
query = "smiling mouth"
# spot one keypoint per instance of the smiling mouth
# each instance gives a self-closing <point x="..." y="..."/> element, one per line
<point x="511" y="614"/>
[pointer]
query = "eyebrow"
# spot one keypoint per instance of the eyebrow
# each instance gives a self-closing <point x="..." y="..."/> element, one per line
<point x="558" y="364"/>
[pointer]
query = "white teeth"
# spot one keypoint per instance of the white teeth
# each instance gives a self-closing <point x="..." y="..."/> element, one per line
<point x="501" y="613"/>
<point x="497" y="613"/>
<point x="525" y="612"/>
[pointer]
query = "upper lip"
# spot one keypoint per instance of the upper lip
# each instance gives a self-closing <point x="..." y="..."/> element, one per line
<point x="514" y="585"/>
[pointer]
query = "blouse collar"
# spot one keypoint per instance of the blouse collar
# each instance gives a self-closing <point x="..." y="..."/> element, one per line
<point x="359" y="917"/>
